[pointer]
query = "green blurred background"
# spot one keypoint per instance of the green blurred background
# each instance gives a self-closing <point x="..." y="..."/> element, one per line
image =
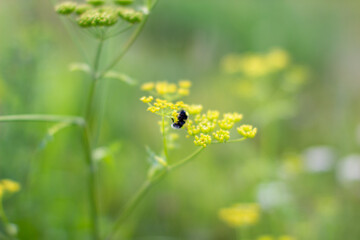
<point x="303" y="167"/>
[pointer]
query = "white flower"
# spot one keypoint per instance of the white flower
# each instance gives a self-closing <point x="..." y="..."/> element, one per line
<point x="319" y="159"/>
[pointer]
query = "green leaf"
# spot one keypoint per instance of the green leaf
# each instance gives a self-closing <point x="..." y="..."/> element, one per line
<point x="83" y="67"/>
<point x="120" y="76"/>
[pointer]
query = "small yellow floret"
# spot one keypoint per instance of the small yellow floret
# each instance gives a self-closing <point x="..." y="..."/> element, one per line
<point x="184" y="84"/>
<point x="183" y="91"/>
<point x="147" y="99"/>
<point x="153" y="109"/>
<point x="212" y="115"/>
<point x="226" y="124"/>
<point x="203" y="140"/>
<point x="194" y="109"/>
<point x="222" y="135"/>
<point x="148" y="86"/>
<point x="247" y="131"/>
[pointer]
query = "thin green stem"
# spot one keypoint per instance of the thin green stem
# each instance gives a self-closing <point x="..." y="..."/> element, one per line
<point x="130" y="42"/>
<point x="164" y="138"/>
<point x="92" y="178"/>
<point x="92" y="184"/>
<point x="95" y="78"/>
<point x="135" y="200"/>
<point x="186" y="160"/>
<point x="2" y="213"/>
<point x="42" y="118"/>
<point x="232" y="141"/>
<point x="130" y="206"/>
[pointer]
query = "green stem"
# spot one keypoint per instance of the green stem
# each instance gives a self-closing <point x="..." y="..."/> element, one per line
<point x="2" y="213"/>
<point x="130" y="206"/>
<point x="186" y="160"/>
<point x="42" y="118"/>
<point x="130" y="42"/>
<point x="92" y="184"/>
<point x="95" y="79"/>
<point x="164" y="138"/>
<point x="88" y="148"/>
<point x="232" y="141"/>
<point x="135" y="200"/>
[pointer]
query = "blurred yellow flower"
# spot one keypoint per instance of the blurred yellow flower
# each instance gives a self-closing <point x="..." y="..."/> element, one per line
<point x="286" y="237"/>
<point x="277" y="59"/>
<point x="8" y="186"/>
<point x="148" y="86"/>
<point x="147" y="99"/>
<point x="184" y="84"/>
<point x="240" y="214"/>
<point x="194" y="109"/>
<point x="183" y="91"/>
<point x="254" y="65"/>
<point x="265" y="237"/>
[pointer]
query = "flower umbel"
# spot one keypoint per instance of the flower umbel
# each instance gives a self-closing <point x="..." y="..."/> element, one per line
<point x="247" y="131"/>
<point x="205" y="128"/>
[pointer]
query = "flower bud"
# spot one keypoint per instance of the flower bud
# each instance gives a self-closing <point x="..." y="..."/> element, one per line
<point x="95" y="2"/>
<point x="123" y="2"/>
<point x="65" y="8"/>
<point x="80" y="9"/>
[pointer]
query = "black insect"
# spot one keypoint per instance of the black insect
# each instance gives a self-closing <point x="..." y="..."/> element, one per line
<point x="181" y="120"/>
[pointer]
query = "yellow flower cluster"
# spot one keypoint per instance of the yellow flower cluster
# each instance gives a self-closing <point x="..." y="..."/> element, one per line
<point x="166" y="90"/>
<point x="247" y="131"/>
<point x="269" y="237"/>
<point x="202" y="140"/>
<point x="8" y="186"/>
<point x="240" y="214"/>
<point x="203" y="127"/>
<point x="256" y="65"/>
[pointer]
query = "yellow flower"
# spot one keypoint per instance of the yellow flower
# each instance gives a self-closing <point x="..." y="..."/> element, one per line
<point x="8" y="186"/>
<point x="221" y="135"/>
<point x="240" y="215"/>
<point x="226" y="124"/>
<point x="153" y="109"/>
<point x="163" y="88"/>
<point x="277" y="59"/>
<point x="194" y="109"/>
<point x="265" y="237"/>
<point x="148" y="86"/>
<point x="184" y="84"/>
<point x="212" y="115"/>
<point x="247" y="131"/>
<point x="183" y="91"/>
<point x="207" y="127"/>
<point x="147" y="99"/>
<point x="203" y="140"/>
<point x="254" y="65"/>
<point x="234" y="117"/>
<point x="286" y="237"/>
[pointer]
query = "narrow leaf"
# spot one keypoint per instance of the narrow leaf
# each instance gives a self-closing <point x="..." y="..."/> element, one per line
<point x="83" y="67"/>
<point x="120" y="76"/>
